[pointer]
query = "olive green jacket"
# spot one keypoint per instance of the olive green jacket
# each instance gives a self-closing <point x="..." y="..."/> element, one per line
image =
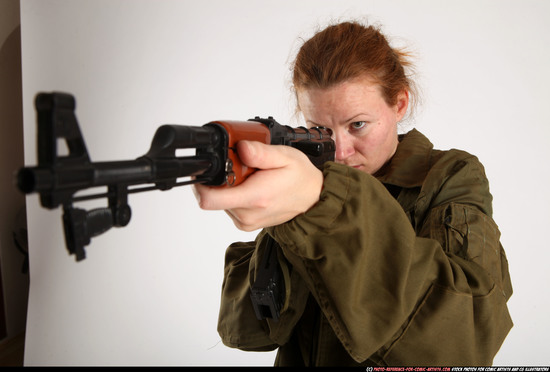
<point x="401" y="268"/>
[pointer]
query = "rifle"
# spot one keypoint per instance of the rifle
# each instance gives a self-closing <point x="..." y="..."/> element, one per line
<point x="216" y="163"/>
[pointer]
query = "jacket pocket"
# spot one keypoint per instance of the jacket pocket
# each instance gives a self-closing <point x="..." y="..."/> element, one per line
<point x="475" y="237"/>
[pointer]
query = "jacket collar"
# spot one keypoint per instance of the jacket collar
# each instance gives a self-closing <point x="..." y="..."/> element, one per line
<point x="411" y="162"/>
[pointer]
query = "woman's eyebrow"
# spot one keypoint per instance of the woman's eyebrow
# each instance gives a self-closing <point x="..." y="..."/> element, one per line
<point x="353" y="117"/>
<point x="311" y="122"/>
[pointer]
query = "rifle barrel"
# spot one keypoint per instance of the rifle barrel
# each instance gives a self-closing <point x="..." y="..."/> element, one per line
<point x="131" y="172"/>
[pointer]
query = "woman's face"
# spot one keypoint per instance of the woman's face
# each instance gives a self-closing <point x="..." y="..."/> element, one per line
<point x="364" y="126"/>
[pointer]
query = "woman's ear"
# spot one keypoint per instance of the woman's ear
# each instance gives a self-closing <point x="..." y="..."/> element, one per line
<point x="401" y="104"/>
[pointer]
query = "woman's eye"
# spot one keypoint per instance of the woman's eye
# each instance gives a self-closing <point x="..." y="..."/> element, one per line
<point x="358" y="125"/>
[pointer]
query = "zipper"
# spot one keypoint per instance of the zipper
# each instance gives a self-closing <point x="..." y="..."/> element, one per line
<point x="315" y="336"/>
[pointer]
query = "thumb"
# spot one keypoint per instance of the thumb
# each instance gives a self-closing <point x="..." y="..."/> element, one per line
<point x="259" y="155"/>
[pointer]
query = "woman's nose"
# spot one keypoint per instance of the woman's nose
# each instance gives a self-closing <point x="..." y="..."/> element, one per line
<point x="344" y="148"/>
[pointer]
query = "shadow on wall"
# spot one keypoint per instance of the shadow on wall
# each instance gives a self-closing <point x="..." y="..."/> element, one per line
<point x="13" y="240"/>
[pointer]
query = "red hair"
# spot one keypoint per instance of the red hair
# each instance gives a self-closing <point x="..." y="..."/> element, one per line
<point x="349" y="50"/>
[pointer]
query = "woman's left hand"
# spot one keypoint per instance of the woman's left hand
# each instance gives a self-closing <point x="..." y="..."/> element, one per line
<point x="284" y="185"/>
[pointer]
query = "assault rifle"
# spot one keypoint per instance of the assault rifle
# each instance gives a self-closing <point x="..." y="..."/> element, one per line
<point x="216" y="163"/>
<point x="58" y="178"/>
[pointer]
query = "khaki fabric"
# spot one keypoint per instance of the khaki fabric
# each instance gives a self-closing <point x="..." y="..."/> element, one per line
<point x="401" y="268"/>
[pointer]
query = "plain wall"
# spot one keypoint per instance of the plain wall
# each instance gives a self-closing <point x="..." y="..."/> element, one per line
<point x="148" y="294"/>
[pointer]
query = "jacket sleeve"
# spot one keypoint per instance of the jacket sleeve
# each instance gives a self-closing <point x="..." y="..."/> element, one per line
<point x="394" y="295"/>
<point x="237" y="322"/>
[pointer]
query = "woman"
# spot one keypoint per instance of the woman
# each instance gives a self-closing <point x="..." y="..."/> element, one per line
<point x="391" y="254"/>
